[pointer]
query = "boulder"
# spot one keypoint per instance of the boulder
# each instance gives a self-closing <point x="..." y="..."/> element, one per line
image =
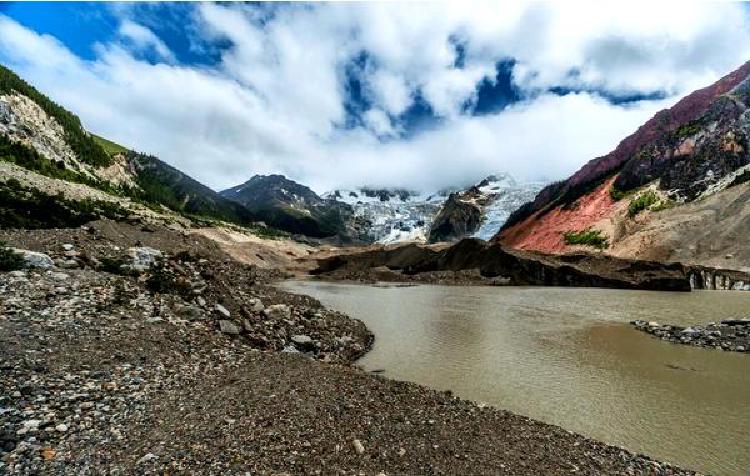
<point x="222" y="310"/>
<point x="228" y="327"/>
<point x="34" y="259"/>
<point x="143" y="257"/>
<point x="255" y="305"/>
<point x="278" y="311"/>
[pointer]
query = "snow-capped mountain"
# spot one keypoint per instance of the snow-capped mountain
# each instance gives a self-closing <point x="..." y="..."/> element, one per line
<point x="398" y="215"/>
<point x="392" y="215"/>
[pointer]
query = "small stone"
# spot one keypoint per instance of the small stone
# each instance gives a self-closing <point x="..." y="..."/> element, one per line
<point x="201" y="302"/>
<point x="48" y="454"/>
<point x="58" y="276"/>
<point x="401" y="452"/>
<point x="358" y="446"/>
<point x="145" y="458"/>
<point x="222" y="310"/>
<point x="228" y="327"/>
<point x="67" y="247"/>
<point x="62" y="428"/>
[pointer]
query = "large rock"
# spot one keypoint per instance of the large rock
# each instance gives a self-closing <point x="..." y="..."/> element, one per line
<point x="303" y="342"/>
<point x="34" y="259"/>
<point x="143" y="257"/>
<point x="228" y="327"/>
<point x="278" y="311"/>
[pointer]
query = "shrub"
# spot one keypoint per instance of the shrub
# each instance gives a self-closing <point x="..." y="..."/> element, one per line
<point x="587" y="237"/>
<point x="642" y="202"/>
<point x="617" y="194"/>
<point x="9" y="259"/>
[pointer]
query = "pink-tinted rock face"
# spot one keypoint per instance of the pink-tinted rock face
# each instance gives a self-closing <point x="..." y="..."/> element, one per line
<point x="545" y="232"/>
<point x="538" y="225"/>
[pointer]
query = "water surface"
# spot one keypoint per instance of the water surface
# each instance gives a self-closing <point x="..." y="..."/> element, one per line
<point x="568" y="356"/>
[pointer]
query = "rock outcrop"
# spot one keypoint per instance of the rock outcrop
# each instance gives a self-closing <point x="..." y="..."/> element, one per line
<point x="459" y="217"/>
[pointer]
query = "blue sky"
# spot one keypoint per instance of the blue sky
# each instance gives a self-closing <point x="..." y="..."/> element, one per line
<point x="419" y="95"/>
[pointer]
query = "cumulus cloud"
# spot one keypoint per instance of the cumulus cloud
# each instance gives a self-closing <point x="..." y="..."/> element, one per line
<point x="277" y="99"/>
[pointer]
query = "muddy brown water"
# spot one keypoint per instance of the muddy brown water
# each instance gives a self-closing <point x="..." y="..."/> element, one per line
<point x="568" y="356"/>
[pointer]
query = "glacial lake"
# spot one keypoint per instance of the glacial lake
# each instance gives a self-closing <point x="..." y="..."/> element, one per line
<point x="569" y="357"/>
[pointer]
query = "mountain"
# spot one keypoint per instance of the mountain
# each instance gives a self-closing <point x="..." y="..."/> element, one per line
<point x="677" y="188"/>
<point x="390" y="215"/>
<point x="287" y="205"/>
<point x="400" y="215"/>
<point x="45" y="151"/>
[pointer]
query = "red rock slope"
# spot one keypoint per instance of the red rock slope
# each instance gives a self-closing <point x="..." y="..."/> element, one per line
<point x="664" y="148"/>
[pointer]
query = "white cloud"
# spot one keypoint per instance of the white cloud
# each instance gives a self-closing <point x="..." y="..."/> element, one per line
<point x="145" y="40"/>
<point x="276" y="100"/>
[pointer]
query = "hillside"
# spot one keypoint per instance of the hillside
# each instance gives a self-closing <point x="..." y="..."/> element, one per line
<point x="676" y="172"/>
<point x="43" y="148"/>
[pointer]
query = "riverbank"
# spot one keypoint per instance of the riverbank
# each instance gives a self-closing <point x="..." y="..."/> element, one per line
<point x="200" y="365"/>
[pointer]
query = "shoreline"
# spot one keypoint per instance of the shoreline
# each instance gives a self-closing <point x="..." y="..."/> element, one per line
<point x="104" y="374"/>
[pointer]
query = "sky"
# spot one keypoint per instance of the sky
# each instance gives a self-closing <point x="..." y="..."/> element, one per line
<point x="338" y="95"/>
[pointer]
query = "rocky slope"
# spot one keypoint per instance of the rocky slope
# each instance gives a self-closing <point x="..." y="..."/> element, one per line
<point x="682" y="156"/>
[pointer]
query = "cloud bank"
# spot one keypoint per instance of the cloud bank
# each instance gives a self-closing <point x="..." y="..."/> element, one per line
<point x="327" y="94"/>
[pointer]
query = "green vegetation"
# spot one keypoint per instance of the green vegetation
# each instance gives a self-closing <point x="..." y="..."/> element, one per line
<point x="109" y="147"/>
<point x="587" y="237"/>
<point x="28" y="158"/>
<point x="85" y="147"/>
<point x="642" y="202"/>
<point x="24" y="207"/>
<point x="9" y="259"/>
<point x="688" y="129"/>
<point x="618" y="194"/>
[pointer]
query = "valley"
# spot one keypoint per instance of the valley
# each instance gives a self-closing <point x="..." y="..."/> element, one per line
<point x="151" y="324"/>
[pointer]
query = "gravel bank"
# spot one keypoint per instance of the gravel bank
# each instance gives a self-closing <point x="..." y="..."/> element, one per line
<point x="731" y="335"/>
<point x="120" y="374"/>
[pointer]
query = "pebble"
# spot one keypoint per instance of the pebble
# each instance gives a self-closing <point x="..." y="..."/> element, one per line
<point x="358" y="447"/>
